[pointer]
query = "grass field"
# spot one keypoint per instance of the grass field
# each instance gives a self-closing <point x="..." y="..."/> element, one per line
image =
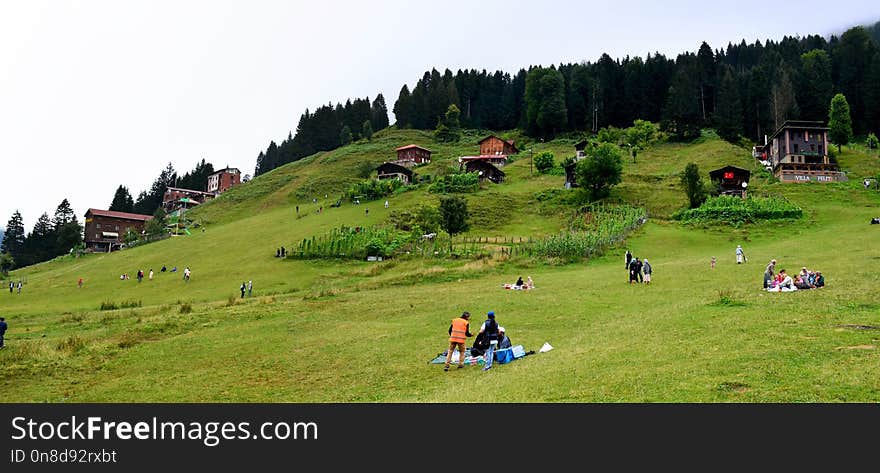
<point x="328" y="331"/>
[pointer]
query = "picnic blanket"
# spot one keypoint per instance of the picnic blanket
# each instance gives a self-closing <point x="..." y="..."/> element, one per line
<point x="502" y="356"/>
<point x="524" y="287"/>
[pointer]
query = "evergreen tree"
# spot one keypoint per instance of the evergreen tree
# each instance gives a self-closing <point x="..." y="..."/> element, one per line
<point x="122" y="201"/>
<point x="39" y="245"/>
<point x="14" y="236"/>
<point x="682" y="111"/>
<point x="852" y="55"/>
<point x="839" y="121"/>
<point x="706" y="63"/>
<point x="692" y="184"/>
<point x="453" y="214"/>
<point x="728" y="112"/>
<point x="66" y="229"/>
<point x="367" y="130"/>
<point x="545" y="101"/>
<point x="815" y="88"/>
<point x="872" y="93"/>
<point x="379" y="114"/>
<point x="782" y="100"/>
<point x="345" y="135"/>
<point x="449" y="128"/>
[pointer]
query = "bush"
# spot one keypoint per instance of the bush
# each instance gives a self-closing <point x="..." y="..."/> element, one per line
<point x="453" y="215"/>
<point x="372" y="189"/>
<point x="185" y="308"/>
<point x="735" y="210"/>
<point x="872" y="142"/>
<point x="109" y="305"/>
<point x="544" y="162"/>
<point x="456" y="183"/>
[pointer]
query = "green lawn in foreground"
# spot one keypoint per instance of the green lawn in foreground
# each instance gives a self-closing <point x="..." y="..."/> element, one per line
<point x="364" y="332"/>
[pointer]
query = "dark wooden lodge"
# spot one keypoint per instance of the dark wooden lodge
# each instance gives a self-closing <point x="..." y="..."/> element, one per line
<point x="731" y="180"/>
<point x="485" y="169"/>
<point x="105" y="230"/>
<point x="394" y="171"/>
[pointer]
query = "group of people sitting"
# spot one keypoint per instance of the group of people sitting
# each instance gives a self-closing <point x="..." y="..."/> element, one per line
<point x="520" y="285"/>
<point x="783" y="282"/>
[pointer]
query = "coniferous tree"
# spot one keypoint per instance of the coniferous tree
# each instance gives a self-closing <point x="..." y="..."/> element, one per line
<point x="853" y="55"/>
<point x="122" y="201"/>
<point x="449" y="128"/>
<point x="14" y="236"/>
<point x="815" y="90"/>
<point x="367" y="130"/>
<point x="839" y="121"/>
<point x="728" y="112"/>
<point x="345" y="136"/>
<point x="39" y="245"/>
<point x="782" y="100"/>
<point x="692" y="184"/>
<point x="682" y="111"/>
<point x="403" y="108"/>
<point x="379" y="114"/>
<point x="872" y="93"/>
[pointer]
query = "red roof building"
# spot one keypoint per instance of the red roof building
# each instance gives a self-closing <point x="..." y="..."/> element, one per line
<point x="413" y="154"/>
<point x="494" y="146"/>
<point x="223" y="179"/>
<point x="105" y="229"/>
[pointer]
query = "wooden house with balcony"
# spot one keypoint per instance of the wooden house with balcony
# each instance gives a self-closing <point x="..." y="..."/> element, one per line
<point x="798" y="152"/>
<point x="105" y="229"/>
<point x="412" y="155"/>
<point x="394" y="171"/>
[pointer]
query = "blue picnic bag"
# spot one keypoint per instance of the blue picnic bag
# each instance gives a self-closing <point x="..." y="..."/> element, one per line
<point x="504" y="356"/>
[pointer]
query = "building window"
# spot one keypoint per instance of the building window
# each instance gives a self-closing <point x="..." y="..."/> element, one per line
<point x="98" y="226"/>
<point x="795" y="148"/>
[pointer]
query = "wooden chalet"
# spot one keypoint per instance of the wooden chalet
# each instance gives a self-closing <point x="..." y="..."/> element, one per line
<point x="731" y="180"/>
<point x="410" y="155"/>
<point x="220" y="181"/>
<point x="486" y="170"/>
<point x="798" y="152"/>
<point x="105" y="229"/>
<point x="494" y="146"/>
<point x="394" y="171"/>
<point x="175" y="198"/>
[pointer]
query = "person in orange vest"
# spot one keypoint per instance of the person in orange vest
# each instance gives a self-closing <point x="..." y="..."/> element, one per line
<point x="459" y="330"/>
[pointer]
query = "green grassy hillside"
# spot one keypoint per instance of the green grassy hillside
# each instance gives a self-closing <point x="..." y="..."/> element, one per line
<point x="355" y="331"/>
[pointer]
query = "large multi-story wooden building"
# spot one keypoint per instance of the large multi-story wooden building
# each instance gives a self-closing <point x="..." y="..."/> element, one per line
<point x="410" y="155"/>
<point x="105" y="229"/>
<point x="223" y="179"/>
<point x="494" y="146"/>
<point x="798" y="152"/>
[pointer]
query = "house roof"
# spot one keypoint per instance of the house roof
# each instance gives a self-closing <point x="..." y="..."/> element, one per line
<point x="388" y="168"/>
<point x="119" y="215"/>
<point x="480" y="164"/>
<point x="483" y="157"/>
<point x="799" y="125"/>
<point x="413" y="147"/>
<point x="236" y="171"/>
<point x="178" y="189"/>
<point x="718" y="174"/>
<point x="581" y="145"/>
<point x="510" y="142"/>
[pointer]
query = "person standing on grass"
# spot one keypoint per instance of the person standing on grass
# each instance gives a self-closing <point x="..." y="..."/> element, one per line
<point x="3" y="327"/>
<point x="768" y="273"/>
<point x="250" y="287"/>
<point x="740" y="255"/>
<point x="79" y="283"/>
<point x="490" y="329"/>
<point x="628" y="257"/>
<point x="713" y="262"/>
<point x="459" y="330"/>
<point x="647" y="269"/>
<point x="386" y="204"/>
<point x="151" y="274"/>
<point x="11" y="286"/>
<point x="639" y="270"/>
<point x="242" y="289"/>
<point x="19" y="286"/>
<point x="632" y="271"/>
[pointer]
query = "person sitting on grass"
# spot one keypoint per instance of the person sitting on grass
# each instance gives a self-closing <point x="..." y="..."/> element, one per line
<point x="786" y="282"/>
<point x="519" y="283"/>
<point x="503" y="339"/>
<point x="801" y="283"/>
<point x="820" y="280"/>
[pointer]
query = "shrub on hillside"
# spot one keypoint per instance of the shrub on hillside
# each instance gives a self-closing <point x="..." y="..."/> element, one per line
<point x="456" y="183"/>
<point x="372" y="189"/>
<point x="735" y="210"/>
<point x="544" y="162"/>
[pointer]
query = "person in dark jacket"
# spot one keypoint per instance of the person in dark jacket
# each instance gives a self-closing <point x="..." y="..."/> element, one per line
<point x="243" y="287"/>
<point x="490" y="328"/>
<point x="480" y="345"/>
<point x="820" y="280"/>
<point x="639" y="270"/>
<point x="628" y="256"/>
<point x="3" y="327"/>
<point x="503" y="339"/>
<point x="633" y="267"/>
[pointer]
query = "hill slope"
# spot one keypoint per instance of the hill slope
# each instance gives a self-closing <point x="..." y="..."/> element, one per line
<point x="357" y="331"/>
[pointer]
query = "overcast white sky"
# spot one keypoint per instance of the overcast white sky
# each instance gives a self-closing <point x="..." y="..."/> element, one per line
<point x="94" y="94"/>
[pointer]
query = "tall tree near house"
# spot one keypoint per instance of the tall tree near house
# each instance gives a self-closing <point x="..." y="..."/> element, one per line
<point x="682" y="111"/>
<point x="839" y="121"/>
<point x="600" y="172"/>
<point x="367" y="131"/>
<point x="872" y="93"/>
<point x="706" y="68"/>
<point x="66" y="229"/>
<point x="815" y="86"/>
<point x="782" y="99"/>
<point x="122" y="201"/>
<point x="693" y="186"/>
<point x="403" y="108"/>
<point x="853" y="55"/>
<point x="14" y="236"/>
<point x="728" y="112"/>
<point x="379" y="114"/>
<point x="453" y="214"/>
<point x="39" y="244"/>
